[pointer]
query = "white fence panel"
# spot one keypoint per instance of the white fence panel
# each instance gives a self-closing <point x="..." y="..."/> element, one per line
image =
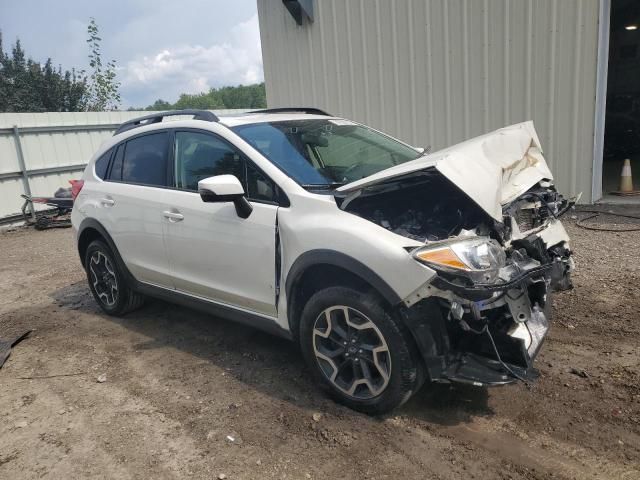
<point x="56" y="146"/>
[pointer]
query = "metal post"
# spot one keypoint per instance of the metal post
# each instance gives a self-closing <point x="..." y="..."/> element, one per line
<point x="601" y="99"/>
<point x="23" y="168"/>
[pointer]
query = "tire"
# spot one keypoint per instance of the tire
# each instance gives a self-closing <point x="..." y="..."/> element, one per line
<point x="42" y="223"/>
<point x="368" y="318"/>
<point x="107" y="283"/>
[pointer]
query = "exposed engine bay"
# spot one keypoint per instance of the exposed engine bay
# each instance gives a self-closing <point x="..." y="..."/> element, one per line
<point x="424" y="207"/>
<point x="428" y="208"/>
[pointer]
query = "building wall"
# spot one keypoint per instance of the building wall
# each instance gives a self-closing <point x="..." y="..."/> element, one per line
<point x="435" y="72"/>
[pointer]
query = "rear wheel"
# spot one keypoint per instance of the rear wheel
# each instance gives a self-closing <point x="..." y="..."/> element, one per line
<point x="359" y="353"/>
<point x="107" y="283"/>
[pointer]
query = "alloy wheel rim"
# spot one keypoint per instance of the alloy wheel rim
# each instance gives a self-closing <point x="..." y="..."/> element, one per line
<point x="351" y="352"/>
<point x="103" y="278"/>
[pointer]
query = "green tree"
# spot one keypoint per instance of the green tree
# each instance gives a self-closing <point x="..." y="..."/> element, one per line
<point x="205" y="101"/>
<point x="242" y="96"/>
<point x="4" y="79"/>
<point x="23" y="88"/>
<point x="103" y="91"/>
<point x="73" y="91"/>
<point x="159" y="105"/>
<point x="27" y="86"/>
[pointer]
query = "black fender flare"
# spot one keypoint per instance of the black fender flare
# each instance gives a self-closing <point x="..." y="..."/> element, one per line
<point x="338" y="259"/>
<point x="92" y="223"/>
<point x="424" y="322"/>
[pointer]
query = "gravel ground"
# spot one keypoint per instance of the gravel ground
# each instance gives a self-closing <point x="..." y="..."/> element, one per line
<point x="186" y="395"/>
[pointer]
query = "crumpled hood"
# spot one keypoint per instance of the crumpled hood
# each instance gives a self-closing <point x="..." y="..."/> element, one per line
<point x="492" y="169"/>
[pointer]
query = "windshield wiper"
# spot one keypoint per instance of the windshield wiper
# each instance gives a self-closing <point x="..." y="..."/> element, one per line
<point x="323" y="186"/>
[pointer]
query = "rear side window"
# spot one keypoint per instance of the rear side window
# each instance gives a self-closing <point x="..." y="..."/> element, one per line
<point x="102" y="164"/>
<point x="145" y="160"/>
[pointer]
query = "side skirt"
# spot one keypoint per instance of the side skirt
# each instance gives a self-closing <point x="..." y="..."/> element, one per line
<point x="225" y="311"/>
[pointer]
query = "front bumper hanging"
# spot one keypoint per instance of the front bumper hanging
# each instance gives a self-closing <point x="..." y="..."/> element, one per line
<point x="483" y="334"/>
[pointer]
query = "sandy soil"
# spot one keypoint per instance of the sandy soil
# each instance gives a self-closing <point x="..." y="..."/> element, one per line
<point x="180" y="385"/>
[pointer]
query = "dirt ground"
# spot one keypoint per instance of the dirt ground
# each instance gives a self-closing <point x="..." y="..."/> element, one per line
<point x="190" y="396"/>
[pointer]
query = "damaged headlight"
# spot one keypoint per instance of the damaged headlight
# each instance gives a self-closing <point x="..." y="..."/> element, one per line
<point x="482" y="257"/>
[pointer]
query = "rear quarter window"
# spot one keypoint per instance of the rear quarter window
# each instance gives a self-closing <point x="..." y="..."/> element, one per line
<point x="115" y="172"/>
<point x="102" y="164"/>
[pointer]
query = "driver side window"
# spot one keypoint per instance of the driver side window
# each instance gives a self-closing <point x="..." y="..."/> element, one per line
<point x="200" y="155"/>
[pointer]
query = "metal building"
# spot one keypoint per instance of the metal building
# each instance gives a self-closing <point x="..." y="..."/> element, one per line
<point x="435" y="72"/>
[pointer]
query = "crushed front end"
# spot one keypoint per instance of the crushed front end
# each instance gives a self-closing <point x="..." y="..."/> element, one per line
<point x="484" y="316"/>
<point x="484" y="217"/>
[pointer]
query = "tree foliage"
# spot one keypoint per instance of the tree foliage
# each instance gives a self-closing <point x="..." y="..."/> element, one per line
<point x="242" y="96"/>
<point x="27" y="86"/>
<point x="103" y="89"/>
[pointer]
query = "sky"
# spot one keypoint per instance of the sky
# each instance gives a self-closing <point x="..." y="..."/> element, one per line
<point x="162" y="48"/>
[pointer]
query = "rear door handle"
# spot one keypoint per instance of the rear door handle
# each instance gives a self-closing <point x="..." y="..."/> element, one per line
<point x="173" y="216"/>
<point x="108" y="202"/>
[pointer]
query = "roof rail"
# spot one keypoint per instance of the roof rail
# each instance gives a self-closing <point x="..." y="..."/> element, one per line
<point x="205" y="115"/>
<point x="311" y="110"/>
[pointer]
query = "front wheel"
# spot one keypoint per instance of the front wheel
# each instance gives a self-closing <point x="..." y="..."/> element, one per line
<point x="359" y="353"/>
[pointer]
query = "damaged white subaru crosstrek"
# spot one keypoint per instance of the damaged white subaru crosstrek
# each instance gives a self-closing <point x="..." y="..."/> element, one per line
<point x="387" y="265"/>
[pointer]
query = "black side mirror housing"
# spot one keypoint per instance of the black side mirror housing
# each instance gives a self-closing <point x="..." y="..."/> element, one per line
<point x="225" y="188"/>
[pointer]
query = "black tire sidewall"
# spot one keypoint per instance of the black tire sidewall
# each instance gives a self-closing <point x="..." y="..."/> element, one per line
<point x="404" y="367"/>
<point x="123" y="291"/>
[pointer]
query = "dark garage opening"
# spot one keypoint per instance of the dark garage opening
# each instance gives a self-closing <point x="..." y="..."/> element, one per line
<point x="622" y="123"/>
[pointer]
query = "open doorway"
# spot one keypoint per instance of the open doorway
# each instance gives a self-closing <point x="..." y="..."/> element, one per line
<point x="622" y="120"/>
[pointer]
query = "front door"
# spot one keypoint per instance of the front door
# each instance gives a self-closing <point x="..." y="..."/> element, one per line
<point x="213" y="253"/>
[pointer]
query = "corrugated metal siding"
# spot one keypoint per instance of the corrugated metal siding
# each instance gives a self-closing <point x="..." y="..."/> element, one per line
<point x="56" y="149"/>
<point x="435" y="72"/>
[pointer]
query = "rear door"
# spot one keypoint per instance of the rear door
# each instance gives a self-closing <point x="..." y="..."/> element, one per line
<point x="131" y="205"/>
<point x="215" y="254"/>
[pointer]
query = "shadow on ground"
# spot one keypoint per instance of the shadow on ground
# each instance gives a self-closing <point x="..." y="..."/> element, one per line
<point x="268" y="363"/>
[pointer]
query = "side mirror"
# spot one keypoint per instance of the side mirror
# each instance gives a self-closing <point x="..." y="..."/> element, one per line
<point x="225" y="188"/>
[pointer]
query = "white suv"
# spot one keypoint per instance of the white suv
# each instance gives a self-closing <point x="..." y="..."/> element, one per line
<point x="388" y="265"/>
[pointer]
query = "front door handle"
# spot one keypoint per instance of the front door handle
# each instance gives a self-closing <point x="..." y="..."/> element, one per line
<point x="108" y="202"/>
<point x="173" y="216"/>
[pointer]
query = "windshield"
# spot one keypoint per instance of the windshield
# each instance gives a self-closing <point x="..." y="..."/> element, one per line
<point x="325" y="153"/>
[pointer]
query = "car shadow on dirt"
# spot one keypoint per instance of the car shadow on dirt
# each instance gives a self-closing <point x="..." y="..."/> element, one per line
<point x="262" y="361"/>
<point x="447" y="404"/>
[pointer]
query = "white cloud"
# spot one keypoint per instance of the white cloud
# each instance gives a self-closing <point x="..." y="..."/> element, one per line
<point x="195" y="68"/>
